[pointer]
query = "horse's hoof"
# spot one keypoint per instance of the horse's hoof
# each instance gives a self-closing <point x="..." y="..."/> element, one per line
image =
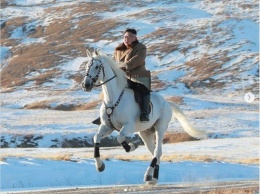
<point x="148" y="178"/>
<point x="152" y="182"/>
<point x="101" y="168"/>
<point x="133" y="146"/>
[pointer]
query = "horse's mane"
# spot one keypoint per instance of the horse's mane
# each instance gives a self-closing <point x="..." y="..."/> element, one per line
<point x="120" y="74"/>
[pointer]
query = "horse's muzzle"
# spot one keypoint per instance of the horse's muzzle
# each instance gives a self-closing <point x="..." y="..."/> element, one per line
<point x="87" y="86"/>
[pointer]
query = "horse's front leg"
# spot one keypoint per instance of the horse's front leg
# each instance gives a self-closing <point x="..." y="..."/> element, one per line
<point x="102" y="133"/>
<point x="126" y="130"/>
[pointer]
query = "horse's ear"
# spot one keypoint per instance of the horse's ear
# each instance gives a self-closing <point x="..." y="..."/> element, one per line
<point x="88" y="53"/>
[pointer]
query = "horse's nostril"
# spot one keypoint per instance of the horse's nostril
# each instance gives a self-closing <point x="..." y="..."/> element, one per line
<point x="86" y="86"/>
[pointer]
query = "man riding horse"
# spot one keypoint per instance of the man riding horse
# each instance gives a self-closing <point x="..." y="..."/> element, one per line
<point x="131" y="56"/>
<point x="120" y="112"/>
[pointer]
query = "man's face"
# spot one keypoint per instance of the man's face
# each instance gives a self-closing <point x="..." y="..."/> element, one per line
<point x="129" y="38"/>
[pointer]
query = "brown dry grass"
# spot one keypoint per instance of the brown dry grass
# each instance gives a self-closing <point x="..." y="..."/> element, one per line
<point x="56" y="156"/>
<point x="71" y="107"/>
<point x="175" y="158"/>
<point x="146" y="156"/>
<point x="203" y="68"/>
<point x="168" y="46"/>
<point x="69" y="34"/>
<point x="175" y="99"/>
<point x="177" y="137"/>
<point x="157" y="84"/>
<point x="60" y="40"/>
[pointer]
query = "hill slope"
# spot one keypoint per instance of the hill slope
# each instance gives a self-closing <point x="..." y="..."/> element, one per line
<point x="203" y="55"/>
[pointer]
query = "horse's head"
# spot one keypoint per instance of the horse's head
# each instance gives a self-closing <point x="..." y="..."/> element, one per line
<point x="94" y="72"/>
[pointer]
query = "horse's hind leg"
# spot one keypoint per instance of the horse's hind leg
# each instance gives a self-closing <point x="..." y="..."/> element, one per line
<point x="103" y="132"/>
<point x="149" y="142"/>
<point x="152" y="173"/>
<point x="148" y="139"/>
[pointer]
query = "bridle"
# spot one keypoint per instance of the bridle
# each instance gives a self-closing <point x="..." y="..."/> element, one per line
<point x="109" y="110"/>
<point x="100" y="67"/>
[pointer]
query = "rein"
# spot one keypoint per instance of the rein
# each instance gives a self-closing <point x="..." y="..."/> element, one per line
<point x="97" y="85"/>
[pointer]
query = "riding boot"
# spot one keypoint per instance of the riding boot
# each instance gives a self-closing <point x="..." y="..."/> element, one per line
<point x="97" y="121"/>
<point x="144" y="117"/>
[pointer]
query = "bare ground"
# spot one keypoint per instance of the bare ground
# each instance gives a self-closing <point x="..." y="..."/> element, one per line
<point x="238" y="187"/>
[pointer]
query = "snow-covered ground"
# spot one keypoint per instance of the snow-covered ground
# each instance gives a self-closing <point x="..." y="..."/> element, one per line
<point x="230" y="153"/>
<point x="33" y="173"/>
<point x="206" y="160"/>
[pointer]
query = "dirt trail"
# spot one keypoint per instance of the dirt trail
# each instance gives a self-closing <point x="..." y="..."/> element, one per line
<point x="238" y="187"/>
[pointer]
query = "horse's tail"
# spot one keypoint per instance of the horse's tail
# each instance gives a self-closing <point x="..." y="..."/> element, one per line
<point x="187" y="126"/>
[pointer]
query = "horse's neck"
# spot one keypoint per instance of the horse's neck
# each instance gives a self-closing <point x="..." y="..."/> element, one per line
<point x="111" y="90"/>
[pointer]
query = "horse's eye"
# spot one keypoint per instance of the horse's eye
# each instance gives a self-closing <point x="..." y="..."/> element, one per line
<point x="96" y="67"/>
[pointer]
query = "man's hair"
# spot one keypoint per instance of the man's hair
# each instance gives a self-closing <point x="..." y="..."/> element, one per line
<point x="131" y="30"/>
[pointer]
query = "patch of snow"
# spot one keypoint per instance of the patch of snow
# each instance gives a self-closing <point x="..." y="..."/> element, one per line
<point x="24" y="173"/>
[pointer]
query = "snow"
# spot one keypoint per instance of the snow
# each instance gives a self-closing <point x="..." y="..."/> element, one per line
<point x="38" y="173"/>
<point x="230" y="153"/>
<point x="25" y="172"/>
<point x="4" y="52"/>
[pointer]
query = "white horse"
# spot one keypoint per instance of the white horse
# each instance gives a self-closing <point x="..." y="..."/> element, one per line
<point x="120" y="112"/>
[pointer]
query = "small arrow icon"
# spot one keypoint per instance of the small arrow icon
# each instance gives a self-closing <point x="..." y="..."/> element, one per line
<point x="249" y="97"/>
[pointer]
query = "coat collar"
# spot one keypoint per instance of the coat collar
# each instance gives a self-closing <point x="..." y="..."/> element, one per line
<point x="122" y="47"/>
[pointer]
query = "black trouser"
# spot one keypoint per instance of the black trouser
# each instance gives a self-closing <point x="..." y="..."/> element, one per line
<point x="145" y="95"/>
<point x="139" y="87"/>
